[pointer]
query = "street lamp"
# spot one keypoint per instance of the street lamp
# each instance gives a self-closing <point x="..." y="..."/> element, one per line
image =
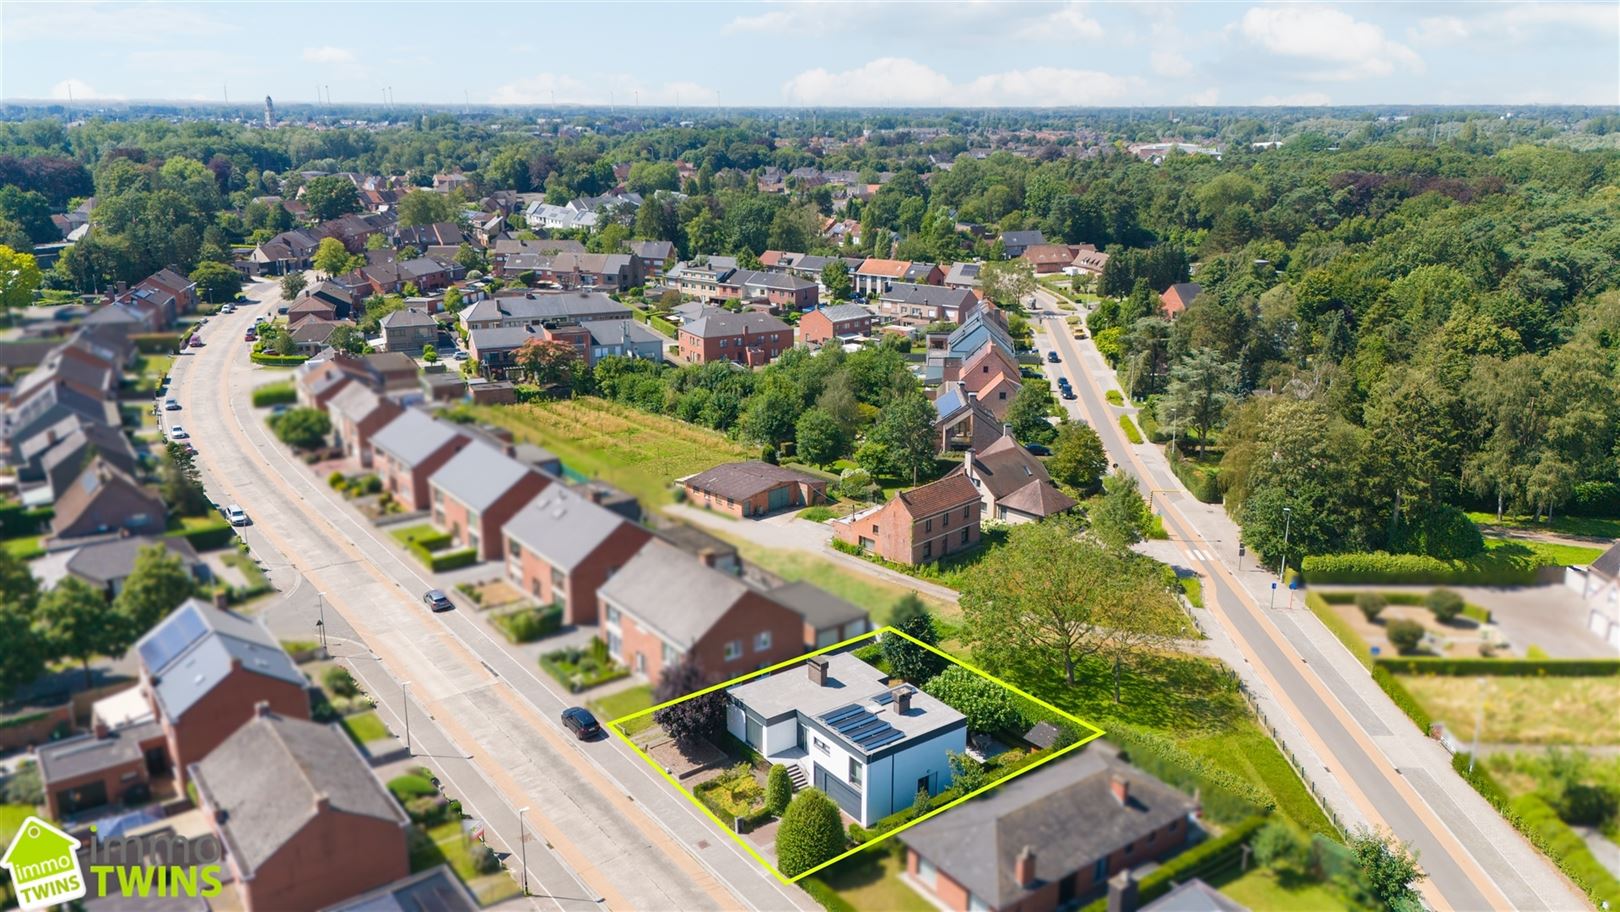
<point x="1282" y="562"/>
<point x="523" y="848"/>
<point x="320" y="623"/>
<point x="405" y="691"/>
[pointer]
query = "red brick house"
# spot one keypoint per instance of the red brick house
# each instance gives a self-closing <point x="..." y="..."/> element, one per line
<point x="752" y="339"/>
<point x="826" y="324"/>
<point x="477" y="491"/>
<point x="917" y="526"/>
<point x="1048" y="839"/>
<point x="993" y="375"/>
<point x="665" y="605"/>
<point x="303" y="821"/>
<point x="202" y="670"/>
<point x="1049" y="258"/>
<point x="561" y="548"/>
<point x="753" y="488"/>
<point x="408" y="450"/>
<point x="1178" y="297"/>
<point x="357" y="415"/>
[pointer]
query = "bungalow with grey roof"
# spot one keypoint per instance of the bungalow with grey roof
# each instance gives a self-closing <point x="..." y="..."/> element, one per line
<point x="477" y="491"/>
<point x="561" y="547"/>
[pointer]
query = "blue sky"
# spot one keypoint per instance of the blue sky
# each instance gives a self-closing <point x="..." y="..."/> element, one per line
<point x="819" y="53"/>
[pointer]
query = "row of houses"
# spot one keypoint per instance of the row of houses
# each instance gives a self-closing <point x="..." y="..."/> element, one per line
<point x="564" y="546"/>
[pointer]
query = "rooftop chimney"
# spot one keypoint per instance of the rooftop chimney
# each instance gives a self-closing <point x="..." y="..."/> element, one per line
<point x="1120" y="788"/>
<point x="902" y="699"/>
<point x="1006" y="430"/>
<point x="1122" y="896"/>
<point x="818" y="670"/>
<point x="1024" y="868"/>
<point x="261" y="709"/>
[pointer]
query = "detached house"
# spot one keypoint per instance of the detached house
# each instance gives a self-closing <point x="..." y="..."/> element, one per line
<point x="303" y="820"/>
<point x="753" y="488"/>
<point x="408" y="330"/>
<point x="1049" y="838"/>
<point x="752" y="339"/>
<point x="917" y="526"/>
<point x="1178" y="297"/>
<point x="664" y="606"/>
<point x="875" y="276"/>
<point x="920" y="305"/>
<point x="477" y="491"/>
<point x="562" y="547"/>
<point x="105" y="499"/>
<point x="838" y="322"/>
<point x="837" y="725"/>
<point x="409" y="450"/>
<point x="1013" y="484"/>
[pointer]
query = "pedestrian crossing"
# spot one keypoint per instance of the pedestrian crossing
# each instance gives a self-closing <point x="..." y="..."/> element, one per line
<point x="1201" y="555"/>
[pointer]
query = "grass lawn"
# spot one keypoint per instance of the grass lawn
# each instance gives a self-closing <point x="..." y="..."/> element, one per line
<point x="1567" y="711"/>
<point x="409" y="535"/>
<point x="1193" y="588"/>
<point x="631" y="449"/>
<point x="11" y="820"/>
<point x="445" y="844"/>
<point x="624" y="703"/>
<point x="25" y="548"/>
<point x="1265" y="889"/>
<point x="871" y="880"/>
<point x="1579" y="526"/>
<point x="875" y="595"/>
<point x="1194" y="701"/>
<point x="1549" y="554"/>
<point x="365" y="727"/>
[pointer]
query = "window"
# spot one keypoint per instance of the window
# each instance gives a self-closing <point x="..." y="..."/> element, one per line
<point x="975" y="904"/>
<point x="1099" y="871"/>
<point x="928" y="525"/>
<point x="559" y="580"/>
<point x="874" y="529"/>
<point x="671" y="657"/>
<point x="964" y="536"/>
<point x="928" y="549"/>
<point x="854" y="772"/>
<point x="514" y="549"/>
<point x="944" y="520"/>
<point x="965" y="512"/>
<point x="820" y="745"/>
<point x="762" y="641"/>
<point x="612" y="615"/>
<point x="733" y="650"/>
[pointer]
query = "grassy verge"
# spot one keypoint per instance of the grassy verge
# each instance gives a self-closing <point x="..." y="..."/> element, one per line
<point x="623" y="703"/>
<point x="1504" y="562"/>
<point x="1333" y="622"/>
<point x="1129" y="427"/>
<point x="631" y="449"/>
<point x="1193" y="588"/>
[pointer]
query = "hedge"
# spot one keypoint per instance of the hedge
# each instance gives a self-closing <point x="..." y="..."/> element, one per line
<point x="207" y="538"/>
<point x="1403" y="698"/>
<point x="1131" y="433"/>
<point x="1201" y="859"/>
<point x="529" y="624"/>
<point x="1383" y="567"/>
<point x="1200" y="484"/>
<point x="440" y="561"/>
<point x="1536" y="819"/>
<point x="274" y="394"/>
<point x="17" y="520"/>
<point x="155" y="343"/>
<point x="1339" y="627"/>
<point x="1467" y="667"/>
<point x="827" y="896"/>
<point x="1226" y="797"/>
<point x="1595" y="498"/>
<point x="278" y="360"/>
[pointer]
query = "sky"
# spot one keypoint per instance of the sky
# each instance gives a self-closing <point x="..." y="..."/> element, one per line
<point x="971" y="53"/>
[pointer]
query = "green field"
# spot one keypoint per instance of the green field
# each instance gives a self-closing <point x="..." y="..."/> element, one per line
<point x="1567" y="711"/>
<point x="625" y="447"/>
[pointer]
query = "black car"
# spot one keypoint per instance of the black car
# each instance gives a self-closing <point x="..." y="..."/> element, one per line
<point x="436" y="600"/>
<point x="1066" y="393"/>
<point x="579" y="720"/>
<point x="1052" y="357"/>
<point x="1036" y="449"/>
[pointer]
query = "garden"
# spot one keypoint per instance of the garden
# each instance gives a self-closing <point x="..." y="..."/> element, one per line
<point x="525" y="625"/>
<point x="439" y="835"/>
<point x="1439" y="622"/>
<point x="580" y="669"/>
<point x="434" y="548"/>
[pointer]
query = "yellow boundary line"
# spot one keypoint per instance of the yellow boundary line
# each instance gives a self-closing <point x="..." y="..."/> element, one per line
<point x="615" y="726"/>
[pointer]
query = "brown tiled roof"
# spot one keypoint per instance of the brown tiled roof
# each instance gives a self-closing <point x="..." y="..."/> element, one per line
<point x="891" y="268"/>
<point x="741" y="480"/>
<point x="938" y="496"/>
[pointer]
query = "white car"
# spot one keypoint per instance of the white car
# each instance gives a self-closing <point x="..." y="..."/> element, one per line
<point x="234" y="514"/>
<point x="169" y="405"/>
<point x="176" y="432"/>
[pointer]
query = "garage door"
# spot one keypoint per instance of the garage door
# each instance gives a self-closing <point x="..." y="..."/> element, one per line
<point x="839" y="791"/>
<point x="780" y="498"/>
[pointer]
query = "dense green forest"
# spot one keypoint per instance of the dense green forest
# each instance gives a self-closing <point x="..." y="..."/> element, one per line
<point x="1400" y="317"/>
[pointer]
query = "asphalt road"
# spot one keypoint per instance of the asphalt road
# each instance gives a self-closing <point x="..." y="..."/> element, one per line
<point x="1473" y="858"/>
<point x="605" y="830"/>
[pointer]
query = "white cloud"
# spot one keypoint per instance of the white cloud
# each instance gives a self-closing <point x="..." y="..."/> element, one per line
<point x="1296" y="100"/>
<point x="902" y="81"/>
<point x="1346" y="47"/>
<point x="1204" y="98"/>
<point x="619" y="88"/>
<point x="77" y="90"/>
<point x="1069" y="23"/>
<point x="799" y="20"/>
<point x="1170" y="64"/>
<point x="125" y="23"/>
<point x="328" y="54"/>
<point x="1522" y="22"/>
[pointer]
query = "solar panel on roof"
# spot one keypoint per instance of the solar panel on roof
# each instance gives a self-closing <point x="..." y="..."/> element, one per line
<point x="889" y="737"/>
<point x="175" y="635"/>
<point x="884" y="698"/>
<point x="842" y="712"/>
<point x="857" y="732"/>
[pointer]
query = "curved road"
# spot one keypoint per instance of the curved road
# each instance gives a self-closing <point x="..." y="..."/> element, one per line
<point x="614" y="834"/>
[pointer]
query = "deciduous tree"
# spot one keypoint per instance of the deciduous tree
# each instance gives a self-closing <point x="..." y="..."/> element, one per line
<point x="76" y="623"/>
<point x="156" y="586"/>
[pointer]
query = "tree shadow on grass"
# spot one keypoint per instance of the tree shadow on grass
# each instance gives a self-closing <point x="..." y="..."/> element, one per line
<point x="1165" y="692"/>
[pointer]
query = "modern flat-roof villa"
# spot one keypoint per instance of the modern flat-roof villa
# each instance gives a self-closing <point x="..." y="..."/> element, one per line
<point x="837" y="725"/>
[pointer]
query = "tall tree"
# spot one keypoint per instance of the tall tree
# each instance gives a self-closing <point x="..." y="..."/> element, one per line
<point x="1201" y="387"/>
<point x="835" y="278"/>
<point x="75" y="623"/>
<point x="293" y="283"/>
<point x="19" y="277"/>
<point x="330" y="196"/>
<point x="1027" y="415"/>
<point x="818" y="437"/>
<point x="905" y="428"/>
<point x="1007" y="282"/>
<point x="548" y="362"/>
<point x="331" y="257"/>
<point x="1078" y="457"/>
<point x="156" y="586"/>
<point x="1121" y="519"/>
<point x="693" y="718"/>
<point x="180" y="483"/>
<point x="906" y="659"/>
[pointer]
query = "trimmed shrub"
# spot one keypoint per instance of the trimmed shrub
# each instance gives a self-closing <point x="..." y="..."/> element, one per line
<point x="778" y="789"/>
<point x="827" y="896"/>
<point x="529" y="624"/>
<point x="1468" y="667"/>
<point x="277" y="360"/>
<point x="1382" y="567"/>
<point x="274" y="394"/>
<point x="811" y="833"/>
<point x="1444" y="604"/>
<point x="207" y="537"/>
<point x="1200" y="483"/>
<point x="17" y="520"/>
<point x="1404" y="635"/>
<point x="338" y="680"/>
<point x="988" y="706"/>
<point x="1371" y="605"/>
<point x="155" y="343"/>
<point x="1402" y="698"/>
<point x="1129" y="427"/>
<point x="1540" y="824"/>
<point x="409" y="786"/>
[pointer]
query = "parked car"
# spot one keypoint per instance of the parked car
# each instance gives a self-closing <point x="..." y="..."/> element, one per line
<point x="1066" y="393"/>
<point x="235" y="516"/>
<point x="176" y="432"/>
<point x="277" y="411"/>
<point x="250" y="336"/>
<point x="196" y="342"/>
<point x="579" y="720"/>
<point x="436" y="600"/>
<point x="282" y="309"/>
<point x="1052" y="357"/>
<point x="1037" y="449"/>
<point x="169" y="405"/>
